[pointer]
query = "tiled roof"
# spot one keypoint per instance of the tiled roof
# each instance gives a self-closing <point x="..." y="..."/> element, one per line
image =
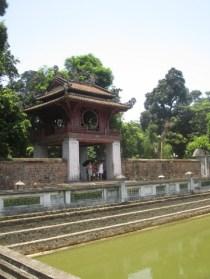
<point x="85" y="99"/>
<point x="89" y="88"/>
<point x="52" y="92"/>
<point x="80" y="98"/>
<point x="51" y="102"/>
<point x="60" y="84"/>
<point x="62" y="89"/>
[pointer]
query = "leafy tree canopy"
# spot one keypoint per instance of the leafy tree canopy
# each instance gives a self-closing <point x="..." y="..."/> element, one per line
<point x="33" y="83"/>
<point x="88" y="68"/>
<point x="162" y="103"/>
<point x="13" y="125"/>
<point x="132" y="139"/>
<point x="13" y="122"/>
<point x="201" y="142"/>
<point x="200" y="109"/>
<point x="3" y="6"/>
<point x="7" y="60"/>
<point x="167" y="107"/>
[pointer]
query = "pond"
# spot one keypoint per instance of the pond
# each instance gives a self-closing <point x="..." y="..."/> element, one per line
<point x="177" y="250"/>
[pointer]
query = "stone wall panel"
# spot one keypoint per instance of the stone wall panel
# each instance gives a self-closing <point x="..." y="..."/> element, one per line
<point x="149" y="169"/>
<point x="32" y="172"/>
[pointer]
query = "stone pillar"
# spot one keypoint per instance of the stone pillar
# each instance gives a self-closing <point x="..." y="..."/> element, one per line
<point x="123" y="190"/>
<point x="40" y="151"/>
<point x="83" y="156"/>
<point x="1" y="204"/>
<point x="105" y="194"/>
<point x="45" y="200"/>
<point x="70" y="152"/>
<point x="68" y="197"/>
<point x="204" y="166"/>
<point x="202" y="155"/>
<point x="113" y="160"/>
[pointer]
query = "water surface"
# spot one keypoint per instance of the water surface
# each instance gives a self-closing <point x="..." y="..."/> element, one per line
<point x="173" y="251"/>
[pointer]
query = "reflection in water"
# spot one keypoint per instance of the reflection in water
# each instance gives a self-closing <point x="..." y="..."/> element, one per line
<point x="174" y="251"/>
<point x="142" y="274"/>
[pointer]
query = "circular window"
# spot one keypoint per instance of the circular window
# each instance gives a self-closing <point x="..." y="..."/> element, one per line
<point x="90" y="119"/>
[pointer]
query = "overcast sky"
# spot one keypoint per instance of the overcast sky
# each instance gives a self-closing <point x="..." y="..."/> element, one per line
<point x="140" y="40"/>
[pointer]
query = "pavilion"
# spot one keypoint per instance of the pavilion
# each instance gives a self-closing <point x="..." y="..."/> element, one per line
<point x="76" y="115"/>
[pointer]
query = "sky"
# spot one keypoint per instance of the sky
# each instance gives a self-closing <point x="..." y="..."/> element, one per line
<point x="139" y="40"/>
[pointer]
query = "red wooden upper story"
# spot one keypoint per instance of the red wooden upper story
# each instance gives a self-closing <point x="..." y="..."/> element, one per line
<point x="78" y="110"/>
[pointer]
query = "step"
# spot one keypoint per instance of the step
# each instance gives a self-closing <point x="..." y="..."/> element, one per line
<point x="4" y="275"/>
<point x="35" y="246"/>
<point x="38" y="233"/>
<point x="14" y="271"/>
<point x="30" y="223"/>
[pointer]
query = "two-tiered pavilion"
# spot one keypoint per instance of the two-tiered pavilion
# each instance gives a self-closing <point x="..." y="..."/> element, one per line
<point x="75" y="115"/>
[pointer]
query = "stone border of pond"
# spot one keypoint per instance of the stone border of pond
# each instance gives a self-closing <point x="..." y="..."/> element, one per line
<point x="104" y="232"/>
<point x="85" y="234"/>
<point x="15" y="265"/>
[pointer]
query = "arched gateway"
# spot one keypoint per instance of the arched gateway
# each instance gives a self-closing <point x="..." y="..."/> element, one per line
<point x="76" y="115"/>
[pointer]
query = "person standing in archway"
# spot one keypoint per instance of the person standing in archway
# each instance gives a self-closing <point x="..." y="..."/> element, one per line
<point x="100" y="170"/>
<point x="89" y="171"/>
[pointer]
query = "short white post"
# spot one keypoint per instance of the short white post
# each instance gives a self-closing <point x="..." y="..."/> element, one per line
<point x="46" y="200"/>
<point x="68" y="197"/>
<point x="1" y="204"/>
<point x="105" y="194"/>
<point x="123" y="190"/>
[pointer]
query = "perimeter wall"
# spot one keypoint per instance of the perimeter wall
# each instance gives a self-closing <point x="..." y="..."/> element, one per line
<point x="150" y="169"/>
<point x="34" y="172"/>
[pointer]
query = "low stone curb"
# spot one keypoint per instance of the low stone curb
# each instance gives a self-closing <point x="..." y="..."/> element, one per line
<point x="32" y="247"/>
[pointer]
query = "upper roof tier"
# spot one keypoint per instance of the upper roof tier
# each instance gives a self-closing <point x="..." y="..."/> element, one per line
<point x="61" y="89"/>
<point x="60" y="84"/>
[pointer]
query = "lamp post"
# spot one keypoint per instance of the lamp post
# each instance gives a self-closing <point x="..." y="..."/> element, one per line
<point x="189" y="176"/>
<point x="160" y="137"/>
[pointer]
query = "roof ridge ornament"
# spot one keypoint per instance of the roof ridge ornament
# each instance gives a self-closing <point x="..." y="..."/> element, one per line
<point x="131" y="102"/>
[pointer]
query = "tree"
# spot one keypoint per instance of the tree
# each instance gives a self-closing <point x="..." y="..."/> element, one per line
<point x="85" y="68"/>
<point x="7" y="60"/>
<point x="200" y="110"/>
<point x="88" y="68"/>
<point x="132" y="139"/>
<point x="3" y="6"/>
<point x="151" y="142"/>
<point x="13" y="125"/>
<point x="13" y="122"/>
<point x="165" y="105"/>
<point x="33" y="83"/>
<point x="195" y="95"/>
<point x="201" y="142"/>
<point x="167" y="97"/>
